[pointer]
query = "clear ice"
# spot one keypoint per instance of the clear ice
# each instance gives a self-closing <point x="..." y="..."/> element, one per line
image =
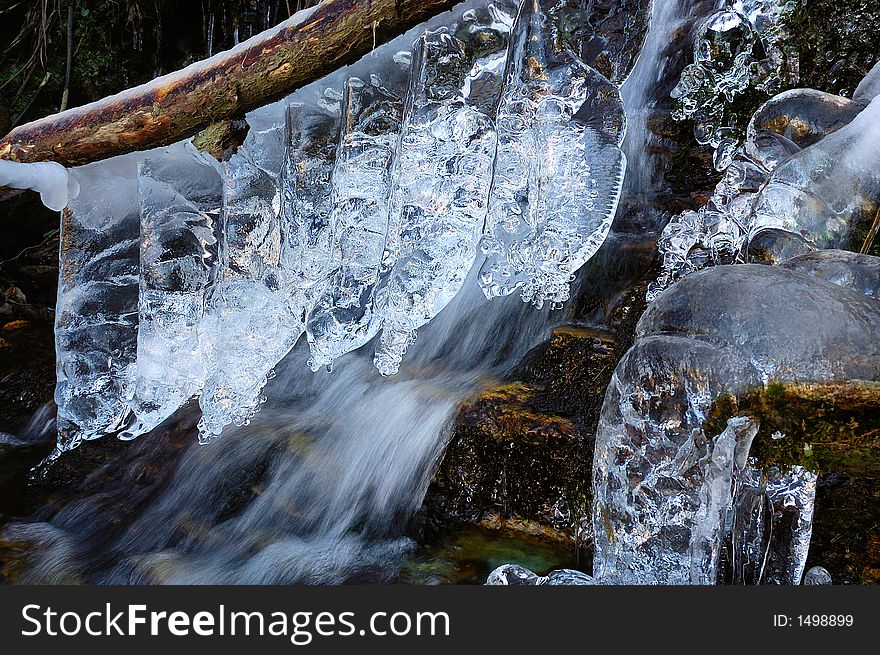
<point x="345" y="316"/>
<point x="514" y="574"/>
<point x="180" y="193"/>
<point x="442" y="174"/>
<point x="829" y="191"/>
<point x="726" y="64"/>
<point x="720" y="232"/>
<point x="261" y="311"/>
<point x="355" y="207"/>
<point x="558" y="168"/>
<point x="96" y="315"/>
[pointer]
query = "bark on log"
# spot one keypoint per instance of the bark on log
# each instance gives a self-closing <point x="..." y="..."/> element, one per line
<point x="268" y="67"/>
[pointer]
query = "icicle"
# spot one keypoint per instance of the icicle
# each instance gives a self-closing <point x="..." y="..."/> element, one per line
<point x="442" y="174"/>
<point x="344" y="317"/>
<point x="559" y="168"/>
<point x="180" y="194"/>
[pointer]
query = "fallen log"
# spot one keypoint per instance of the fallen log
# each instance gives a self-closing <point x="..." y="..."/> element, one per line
<point x="271" y="65"/>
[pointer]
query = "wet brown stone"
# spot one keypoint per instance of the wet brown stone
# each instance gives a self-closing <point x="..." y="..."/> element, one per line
<point x="520" y="456"/>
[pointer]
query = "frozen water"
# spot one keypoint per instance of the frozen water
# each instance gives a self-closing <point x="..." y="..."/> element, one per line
<point x="841" y="267"/>
<point x="262" y="309"/>
<point x="715" y="333"/>
<point x="180" y="193"/>
<point x="827" y="192"/>
<point x="354" y="207"/>
<point x="442" y="174"/>
<point x="96" y="316"/>
<point x="559" y="167"/>
<point x="344" y="317"/>
<point x="817" y="575"/>
<point x="514" y="574"/>
<point x="717" y="233"/>
<point x="249" y="309"/>
<point x="869" y="87"/>
<point x="771" y="525"/>
<point x="726" y="47"/>
<point x="50" y="180"/>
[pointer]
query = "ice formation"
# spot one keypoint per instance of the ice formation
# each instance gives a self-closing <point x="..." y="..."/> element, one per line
<point x="771" y="522"/>
<point x="661" y="473"/>
<point x="513" y="574"/>
<point x="754" y="203"/>
<point x="180" y="195"/>
<point x="442" y="174"/>
<point x="96" y="315"/>
<point x="353" y="209"/>
<point x="344" y="316"/>
<point x="817" y="576"/>
<point x="50" y="180"/>
<point x="741" y="46"/>
<point x="559" y="167"/>
<point x="826" y="192"/>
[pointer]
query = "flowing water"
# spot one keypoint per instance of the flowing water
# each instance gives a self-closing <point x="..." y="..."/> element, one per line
<point x="318" y="488"/>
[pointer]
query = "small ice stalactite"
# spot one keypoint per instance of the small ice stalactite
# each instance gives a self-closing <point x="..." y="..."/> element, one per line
<point x="51" y="180"/>
<point x="726" y="64"/>
<point x="559" y="168"/>
<point x="771" y="525"/>
<point x="516" y="575"/>
<point x="250" y="303"/>
<point x="344" y="317"/>
<point x="96" y="314"/>
<point x="180" y="194"/>
<point x="442" y="174"/>
<point x="718" y="232"/>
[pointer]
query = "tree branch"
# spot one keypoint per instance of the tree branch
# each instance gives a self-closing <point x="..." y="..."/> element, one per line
<point x="309" y="45"/>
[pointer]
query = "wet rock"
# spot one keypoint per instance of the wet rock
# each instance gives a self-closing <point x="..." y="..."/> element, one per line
<point x="836" y="41"/>
<point x="846" y="528"/>
<point x="521" y="451"/>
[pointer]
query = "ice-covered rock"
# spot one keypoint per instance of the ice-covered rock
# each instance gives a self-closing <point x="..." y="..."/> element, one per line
<point x="726" y="64"/>
<point x="817" y="575"/>
<point x="719" y="232"/>
<point x="514" y="574"/>
<point x="841" y="267"/>
<point x="716" y="333"/>
<point x="869" y="87"/>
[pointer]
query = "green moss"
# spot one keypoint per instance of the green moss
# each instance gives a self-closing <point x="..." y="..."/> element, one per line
<point x="831" y="426"/>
